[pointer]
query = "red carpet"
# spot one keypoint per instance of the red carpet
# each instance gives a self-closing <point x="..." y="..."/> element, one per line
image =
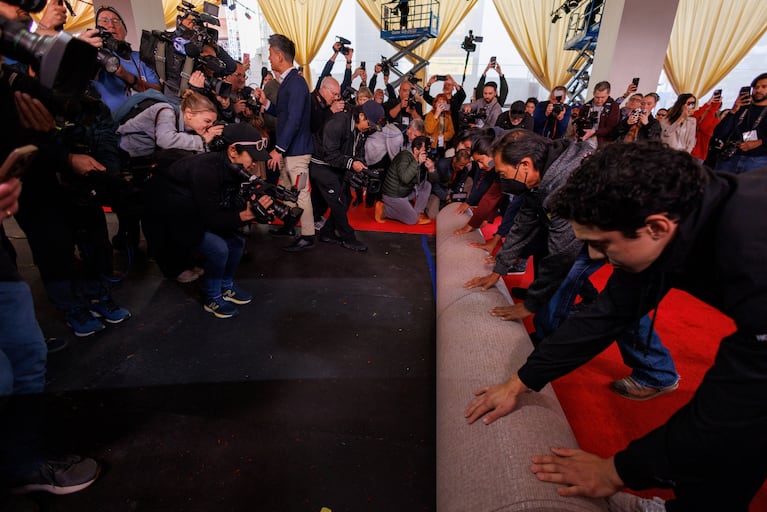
<point x="361" y="219"/>
<point x="604" y="422"/>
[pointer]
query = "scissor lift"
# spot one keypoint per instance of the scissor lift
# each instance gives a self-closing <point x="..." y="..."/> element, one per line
<point x="582" y="33"/>
<point x="420" y="25"/>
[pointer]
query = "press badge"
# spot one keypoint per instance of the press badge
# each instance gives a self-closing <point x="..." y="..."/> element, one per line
<point x="749" y="136"/>
<point x="441" y="141"/>
<point x="405" y="121"/>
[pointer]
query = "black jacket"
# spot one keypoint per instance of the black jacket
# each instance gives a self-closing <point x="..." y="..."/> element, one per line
<point x="717" y="256"/>
<point x="339" y="143"/>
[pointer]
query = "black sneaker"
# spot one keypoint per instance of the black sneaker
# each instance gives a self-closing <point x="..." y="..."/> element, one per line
<point x="329" y="238"/>
<point x="55" y="344"/>
<point x="354" y="245"/>
<point x="302" y="243"/>
<point x="69" y="474"/>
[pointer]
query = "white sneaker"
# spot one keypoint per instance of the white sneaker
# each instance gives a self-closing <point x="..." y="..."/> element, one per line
<point x="625" y="502"/>
<point x="187" y="276"/>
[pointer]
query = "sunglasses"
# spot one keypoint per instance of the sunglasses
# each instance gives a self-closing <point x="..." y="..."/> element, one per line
<point x="259" y="144"/>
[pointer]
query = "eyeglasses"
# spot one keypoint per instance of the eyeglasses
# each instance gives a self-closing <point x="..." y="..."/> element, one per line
<point x="660" y="115"/>
<point x="110" y="21"/>
<point x="259" y="144"/>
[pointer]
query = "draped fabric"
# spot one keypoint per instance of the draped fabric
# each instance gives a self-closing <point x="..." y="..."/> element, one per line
<point x="539" y="42"/>
<point x="85" y="13"/>
<point x="709" y="39"/>
<point x="306" y="24"/>
<point x="451" y="13"/>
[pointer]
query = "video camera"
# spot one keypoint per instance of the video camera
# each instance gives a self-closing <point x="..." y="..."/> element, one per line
<point x="63" y="65"/>
<point x="200" y="35"/>
<point x="111" y="47"/>
<point x="386" y="65"/>
<point x="344" y="50"/>
<point x="585" y="121"/>
<point x="370" y="179"/>
<point x="469" y="42"/>
<point x="468" y="118"/>
<point x="723" y="149"/>
<point x="253" y="186"/>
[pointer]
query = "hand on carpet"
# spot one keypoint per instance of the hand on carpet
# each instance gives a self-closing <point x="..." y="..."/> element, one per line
<point x="485" y="282"/>
<point x="495" y="401"/>
<point x="514" y="312"/>
<point x="583" y="473"/>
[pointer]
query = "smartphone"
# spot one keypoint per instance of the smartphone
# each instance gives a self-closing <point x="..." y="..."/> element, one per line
<point x="441" y="78"/>
<point x="17" y="162"/>
<point x="717" y="94"/>
<point x="635" y="81"/>
<point x="492" y="60"/>
<point x="746" y="89"/>
<point x="245" y="59"/>
<point x="362" y="64"/>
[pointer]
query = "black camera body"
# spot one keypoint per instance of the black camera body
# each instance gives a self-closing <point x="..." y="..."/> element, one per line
<point x="723" y="149"/>
<point x="587" y="119"/>
<point x="370" y="179"/>
<point x="472" y="117"/>
<point x="557" y="109"/>
<point x="253" y="186"/>
<point x="250" y="101"/>
<point x="344" y="50"/>
<point x="469" y="43"/>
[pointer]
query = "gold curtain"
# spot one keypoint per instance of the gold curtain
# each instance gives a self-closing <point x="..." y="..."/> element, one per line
<point x="539" y="42"/>
<point x="306" y="23"/>
<point x="709" y="39"/>
<point x="451" y="13"/>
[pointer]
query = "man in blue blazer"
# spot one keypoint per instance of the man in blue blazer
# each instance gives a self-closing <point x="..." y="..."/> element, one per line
<point x="293" y="147"/>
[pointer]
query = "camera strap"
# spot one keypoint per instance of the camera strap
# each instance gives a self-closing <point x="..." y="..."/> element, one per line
<point x="186" y="72"/>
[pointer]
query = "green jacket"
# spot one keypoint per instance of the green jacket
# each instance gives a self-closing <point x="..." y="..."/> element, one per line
<point x="402" y="176"/>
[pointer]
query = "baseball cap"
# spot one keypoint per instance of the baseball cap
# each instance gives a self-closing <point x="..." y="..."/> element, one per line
<point x="517" y="108"/>
<point x="113" y="11"/>
<point x="374" y="113"/>
<point x="247" y="138"/>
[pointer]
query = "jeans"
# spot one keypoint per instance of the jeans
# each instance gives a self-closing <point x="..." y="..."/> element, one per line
<point x="741" y="163"/>
<point x="515" y="203"/>
<point x="23" y="352"/>
<point x="651" y="362"/>
<point x="222" y="255"/>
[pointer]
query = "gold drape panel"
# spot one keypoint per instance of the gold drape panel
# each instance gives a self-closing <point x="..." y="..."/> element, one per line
<point x="305" y="23"/>
<point x="85" y="13"/>
<point x="709" y="39"/>
<point x="451" y="13"/>
<point x="539" y="42"/>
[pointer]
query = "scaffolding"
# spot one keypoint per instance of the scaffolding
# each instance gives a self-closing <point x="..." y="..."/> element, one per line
<point x="416" y="21"/>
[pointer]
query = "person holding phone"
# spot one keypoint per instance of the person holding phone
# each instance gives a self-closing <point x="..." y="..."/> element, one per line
<point x="438" y="125"/>
<point x="745" y="127"/>
<point x="678" y="129"/>
<point x="707" y="120"/>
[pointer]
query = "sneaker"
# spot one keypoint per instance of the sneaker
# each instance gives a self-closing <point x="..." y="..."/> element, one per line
<point x="627" y="387"/>
<point x="318" y="224"/>
<point x="55" y="344"/>
<point x="220" y="308"/>
<point x="106" y="308"/>
<point x="518" y="268"/>
<point x="625" y="502"/>
<point x="234" y="294"/>
<point x="82" y="322"/>
<point x="65" y="476"/>
<point x="329" y="238"/>
<point x="301" y="243"/>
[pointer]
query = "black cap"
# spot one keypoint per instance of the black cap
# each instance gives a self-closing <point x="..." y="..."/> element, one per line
<point x="517" y="108"/>
<point x="246" y="138"/>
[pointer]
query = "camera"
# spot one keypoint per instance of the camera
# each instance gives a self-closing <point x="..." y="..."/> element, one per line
<point x="386" y="64"/>
<point x="200" y="35"/>
<point x="111" y="47"/>
<point x="469" y="42"/>
<point x="370" y="179"/>
<point x="585" y="121"/>
<point x="723" y="149"/>
<point x="472" y="117"/>
<point x="557" y="109"/>
<point x="63" y="64"/>
<point x="253" y="186"/>
<point x="344" y="50"/>
<point x="250" y="101"/>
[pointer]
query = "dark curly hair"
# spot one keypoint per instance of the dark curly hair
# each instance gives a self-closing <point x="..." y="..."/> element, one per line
<point x="519" y="143"/>
<point x="619" y="186"/>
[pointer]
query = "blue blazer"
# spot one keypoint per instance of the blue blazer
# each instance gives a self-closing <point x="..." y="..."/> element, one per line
<point x="293" y="112"/>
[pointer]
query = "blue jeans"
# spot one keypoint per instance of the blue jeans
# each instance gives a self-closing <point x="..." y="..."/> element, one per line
<point x="222" y="255"/>
<point x="23" y="353"/>
<point x="741" y="163"/>
<point x="651" y="362"/>
<point x="515" y="203"/>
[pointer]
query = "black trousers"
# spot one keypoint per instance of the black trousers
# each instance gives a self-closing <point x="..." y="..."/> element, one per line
<point x="330" y="183"/>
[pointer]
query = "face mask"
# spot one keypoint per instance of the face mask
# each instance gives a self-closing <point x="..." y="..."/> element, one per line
<point x="513" y="187"/>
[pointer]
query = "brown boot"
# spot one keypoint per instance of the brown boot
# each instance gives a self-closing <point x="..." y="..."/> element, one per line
<point x="379" y="212"/>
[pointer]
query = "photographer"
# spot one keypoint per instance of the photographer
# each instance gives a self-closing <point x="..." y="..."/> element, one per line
<point x="454" y="99"/>
<point x="504" y="92"/>
<point x="338" y="47"/>
<point x="406" y="180"/>
<point x="552" y="116"/>
<point x="515" y="117"/>
<point x="405" y="107"/>
<point x="744" y="130"/>
<point x="438" y="125"/>
<point x="640" y="123"/>
<point x="196" y="206"/>
<point x="132" y="75"/>
<point x="449" y="181"/>
<point x="161" y="127"/>
<point x="378" y="94"/>
<point x="485" y="111"/>
<point x="598" y="117"/>
<point x="338" y="151"/>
